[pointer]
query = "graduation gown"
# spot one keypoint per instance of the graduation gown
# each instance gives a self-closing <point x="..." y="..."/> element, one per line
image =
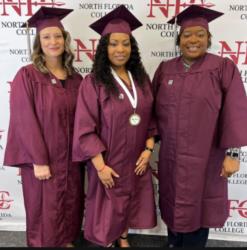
<point x="200" y="113"/>
<point x="41" y="132"/>
<point x="102" y="126"/>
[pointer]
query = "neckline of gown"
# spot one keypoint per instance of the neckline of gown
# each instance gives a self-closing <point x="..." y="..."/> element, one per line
<point x="194" y="66"/>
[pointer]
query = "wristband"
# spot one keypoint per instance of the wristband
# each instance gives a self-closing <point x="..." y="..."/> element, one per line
<point x="149" y="149"/>
<point x="100" y="170"/>
<point x="234" y="153"/>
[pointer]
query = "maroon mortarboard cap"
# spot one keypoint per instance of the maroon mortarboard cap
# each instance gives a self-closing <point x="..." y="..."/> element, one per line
<point x="47" y="17"/>
<point x="120" y="20"/>
<point x="195" y="16"/>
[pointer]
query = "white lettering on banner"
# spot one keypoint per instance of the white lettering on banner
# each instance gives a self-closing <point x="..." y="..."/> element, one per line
<point x="243" y="74"/>
<point x="11" y="24"/>
<point x="103" y="6"/>
<point x="167" y="34"/>
<point x="167" y="30"/>
<point x="238" y="178"/>
<point x="236" y="224"/>
<point x="23" y="32"/>
<point x="240" y="182"/>
<point x="159" y="26"/>
<point x="18" y="52"/>
<point x="239" y="227"/>
<point x="237" y="7"/>
<point x="230" y="230"/>
<point x="163" y="54"/>
<point x="243" y="17"/>
<point x="4" y="215"/>
<point x="240" y="175"/>
<point x="83" y="70"/>
<point x="25" y="59"/>
<point x="98" y="14"/>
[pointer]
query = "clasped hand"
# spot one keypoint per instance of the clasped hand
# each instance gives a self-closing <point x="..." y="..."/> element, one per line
<point x="142" y="162"/>
<point x="107" y="174"/>
<point x="229" y="166"/>
<point x="42" y="172"/>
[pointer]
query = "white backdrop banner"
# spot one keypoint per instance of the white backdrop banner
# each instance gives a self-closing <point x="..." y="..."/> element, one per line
<point x="155" y="40"/>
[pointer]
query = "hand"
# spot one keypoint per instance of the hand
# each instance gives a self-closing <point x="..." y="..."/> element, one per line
<point x="42" y="172"/>
<point x="105" y="176"/>
<point x="142" y="162"/>
<point x="229" y="166"/>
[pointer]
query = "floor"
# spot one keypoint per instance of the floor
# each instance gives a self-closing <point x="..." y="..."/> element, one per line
<point x="17" y="239"/>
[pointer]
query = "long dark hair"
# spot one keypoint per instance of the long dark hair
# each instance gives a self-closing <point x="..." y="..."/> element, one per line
<point x="101" y="66"/>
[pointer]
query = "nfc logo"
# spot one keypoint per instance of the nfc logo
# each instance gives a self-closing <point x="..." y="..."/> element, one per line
<point x="5" y="202"/>
<point x="172" y="7"/>
<point x="25" y="7"/>
<point x="238" y="54"/>
<point x="239" y="207"/>
<point x="82" y="49"/>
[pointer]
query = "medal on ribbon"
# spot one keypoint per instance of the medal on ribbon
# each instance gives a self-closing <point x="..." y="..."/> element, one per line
<point x="134" y="118"/>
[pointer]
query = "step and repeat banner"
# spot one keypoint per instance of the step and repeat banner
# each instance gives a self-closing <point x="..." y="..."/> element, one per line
<point x="155" y="40"/>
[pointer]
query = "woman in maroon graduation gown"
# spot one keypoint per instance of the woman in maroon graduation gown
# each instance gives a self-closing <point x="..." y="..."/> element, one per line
<point x="201" y="110"/>
<point x="42" y="107"/>
<point x="114" y="134"/>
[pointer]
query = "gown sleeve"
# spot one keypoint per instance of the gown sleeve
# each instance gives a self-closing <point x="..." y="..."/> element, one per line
<point x="156" y="80"/>
<point x="233" y="117"/>
<point x="25" y="143"/>
<point x="152" y="129"/>
<point x="155" y="88"/>
<point x="86" y="141"/>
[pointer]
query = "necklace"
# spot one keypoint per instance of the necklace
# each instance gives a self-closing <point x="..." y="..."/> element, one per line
<point x="62" y="76"/>
<point x="134" y="118"/>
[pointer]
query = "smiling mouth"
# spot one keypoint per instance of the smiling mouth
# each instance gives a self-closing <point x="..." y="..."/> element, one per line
<point x="120" y="58"/>
<point x="193" y="48"/>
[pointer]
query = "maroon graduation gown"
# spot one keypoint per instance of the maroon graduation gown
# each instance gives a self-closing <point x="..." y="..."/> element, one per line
<point x="41" y="132"/>
<point x="200" y="113"/>
<point x="102" y="126"/>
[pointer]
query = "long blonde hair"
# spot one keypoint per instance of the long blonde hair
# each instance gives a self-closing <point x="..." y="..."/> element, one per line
<point x="38" y="57"/>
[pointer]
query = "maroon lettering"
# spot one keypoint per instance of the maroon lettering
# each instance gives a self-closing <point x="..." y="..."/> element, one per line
<point x="82" y="49"/>
<point x="174" y="6"/>
<point x="238" y="54"/>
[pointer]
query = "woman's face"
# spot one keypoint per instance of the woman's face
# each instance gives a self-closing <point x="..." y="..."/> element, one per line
<point x="194" y="42"/>
<point x="52" y="42"/>
<point x="119" y="49"/>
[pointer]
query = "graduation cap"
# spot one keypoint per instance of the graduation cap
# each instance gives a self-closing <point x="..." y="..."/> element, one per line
<point x="194" y="15"/>
<point x="120" y="20"/>
<point x="47" y="17"/>
<point x="43" y="18"/>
